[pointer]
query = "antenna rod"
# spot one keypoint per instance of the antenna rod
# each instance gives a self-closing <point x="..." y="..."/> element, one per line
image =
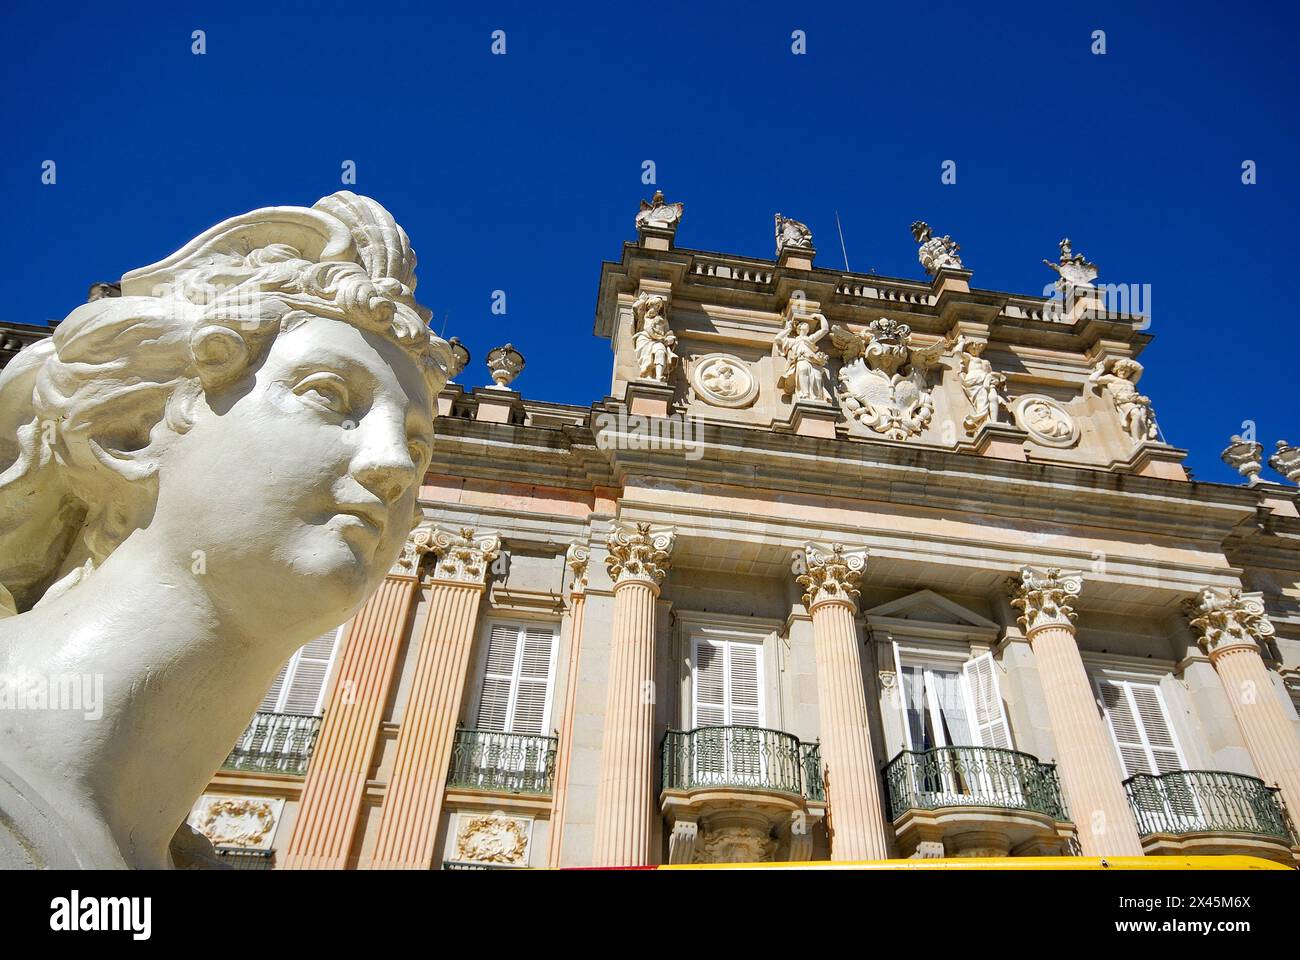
<point x="843" y="249"/>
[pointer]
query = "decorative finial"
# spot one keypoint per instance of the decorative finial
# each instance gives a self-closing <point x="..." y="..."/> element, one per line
<point x="505" y="363"/>
<point x="1245" y="457"/>
<point x="1286" y="461"/>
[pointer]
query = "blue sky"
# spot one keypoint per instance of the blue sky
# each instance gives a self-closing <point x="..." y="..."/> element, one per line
<point x="522" y="172"/>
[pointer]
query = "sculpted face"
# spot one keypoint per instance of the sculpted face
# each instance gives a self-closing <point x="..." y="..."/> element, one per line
<point x="300" y="490"/>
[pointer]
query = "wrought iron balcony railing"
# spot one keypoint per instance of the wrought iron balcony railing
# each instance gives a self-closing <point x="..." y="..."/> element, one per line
<point x="276" y="743"/>
<point x="506" y="762"/>
<point x="1206" y="801"/>
<point x="746" y="757"/>
<point x="972" y="777"/>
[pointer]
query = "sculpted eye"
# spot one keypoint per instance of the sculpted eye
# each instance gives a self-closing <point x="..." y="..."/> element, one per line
<point x="326" y="390"/>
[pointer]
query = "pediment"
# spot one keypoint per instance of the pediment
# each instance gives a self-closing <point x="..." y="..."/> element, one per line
<point x="926" y="606"/>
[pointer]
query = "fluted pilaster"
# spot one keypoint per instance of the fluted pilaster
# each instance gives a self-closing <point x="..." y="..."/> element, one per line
<point x="638" y="559"/>
<point x="412" y="807"/>
<point x="831" y="578"/>
<point x="1086" y="759"/>
<point x="1231" y="625"/>
<point x="576" y="558"/>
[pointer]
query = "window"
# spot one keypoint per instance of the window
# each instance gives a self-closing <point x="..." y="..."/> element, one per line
<point x="1139" y="725"/>
<point x="727" y="682"/>
<point x="300" y="685"/>
<point x="517" y="678"/>
<point x="949" y="706"/>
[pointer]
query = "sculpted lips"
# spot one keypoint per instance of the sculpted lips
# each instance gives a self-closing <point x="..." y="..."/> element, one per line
<point x="368" y="515"/>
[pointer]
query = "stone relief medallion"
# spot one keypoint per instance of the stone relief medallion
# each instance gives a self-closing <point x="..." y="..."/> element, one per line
<point x="493" y="838"/>
<point x="735" y="845"/>
<point x="247" y="823"/>
<point x="722" y="380"/>
<point x="1045" y="420"/>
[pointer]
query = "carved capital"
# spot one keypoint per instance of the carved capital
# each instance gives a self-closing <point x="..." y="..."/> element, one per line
<point x="1228" y="620"/>
<point x="639" y="554"/>
<point x="577" y="557"/>
<point x="464" y="557"/>
<point x="832" y="573"/>
<point x="418" y="542"/>
<point x="1045" y="597"/>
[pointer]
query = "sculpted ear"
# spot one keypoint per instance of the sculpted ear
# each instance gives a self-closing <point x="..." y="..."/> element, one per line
<point x="220" y="355"/>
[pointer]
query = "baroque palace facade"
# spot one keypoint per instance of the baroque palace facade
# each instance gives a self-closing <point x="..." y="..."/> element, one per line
<point x="844" y="568"/>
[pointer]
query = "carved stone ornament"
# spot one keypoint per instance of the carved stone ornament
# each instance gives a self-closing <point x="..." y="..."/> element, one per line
<point x="1229" y="619"/>
<point x="984" y="387"/>
<point x="1045" y="420"/>
<point x="493" y="838"/>
<point x="504" y="364"/>
<point x="464" y="557"/>
<point x="204" y="482"/>
<point x="722" y="380"/>
<point x="829" y="573"/>
<point x="792" y="234"/>
<point x="1117" y="379"/>
<point x="657" y="215"/>
<point x="735" y="844"/>
<point x="1073" y="271"/>
<point x="418" y="542"/>
<point x="1286" y="461"/>
<point x="1045" y="597"/>
<point x="888" y="679"/>
<point x="244" y="822"/>
<point x="1246" y="457"/>
<point x="936" y="253"/>
<point x="577" y="556"/>
<point x="653" y="340"/>
<point x="883" y="381"/>
<point x="639" y="554"/>
<point x="805" y="376"/>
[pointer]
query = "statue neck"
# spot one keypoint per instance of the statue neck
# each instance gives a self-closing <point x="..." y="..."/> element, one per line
<point x="135" y="684"/>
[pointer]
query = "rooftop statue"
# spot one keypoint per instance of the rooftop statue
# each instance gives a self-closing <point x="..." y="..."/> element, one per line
<point x="1074" y="270"/>
<point x="792" y="234"/>
<point x="936" y="253"/>
<point x="804" y="377"/>
<point x="1118" y="380"/>
<point x="882" y="383"/>
<point x="653" y="340"/>
<point x="196" y="478"/>
<point x="659" y="215"/>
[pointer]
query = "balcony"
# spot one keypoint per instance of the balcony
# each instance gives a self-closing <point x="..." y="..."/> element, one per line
<point x="275" y="743"/>
<point x="1209" y="812"/>
<point x="495" y="762"/>
<point x="739" y="794"/>
<point x="976" y="802"/>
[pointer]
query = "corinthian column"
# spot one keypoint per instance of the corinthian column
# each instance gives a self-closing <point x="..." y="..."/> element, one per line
<point x="857" y="820"/>
<point x="576" y="557"/>
<point x="1232" y="624"/>
<point x="408" y="824"/>
<point x="326" y="826"/>
<point x="637" y="561"/>
<point x="1086" y="757"/>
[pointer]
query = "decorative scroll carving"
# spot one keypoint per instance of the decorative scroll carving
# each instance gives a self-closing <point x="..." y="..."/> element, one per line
<point x="653" y="341"/>
<point x="882" y="383"/>
<point x="1045" y="597"/>
<point x="936" y="253"/>
<point x="577" y="557"/>
<point x="493" y="838"/>
<point x="829" y="573"/>
<point x="1118" y="380"/>
<point x="982" y="385"/>
<point x="1228" y="619"/>
<point x="464" y="557"/>
<point x="639" y="554"/>
<point x="418" y="542"/>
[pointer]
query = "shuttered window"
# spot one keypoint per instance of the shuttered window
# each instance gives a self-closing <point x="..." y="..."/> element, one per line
<point x="946" y="708"/>
<point x="517" y="678"/>
<point x="989" y="718"/>
<point x="299" y="687"/>
<point x="1139" y="724"/>
<point x="727" y="678"/>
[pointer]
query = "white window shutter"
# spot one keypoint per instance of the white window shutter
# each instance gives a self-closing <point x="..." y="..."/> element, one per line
<point x="745" y="680"/>
<point x="1138" y="722"/>
<point x="1155" y="724"/>
<point x="532" y="694"/>
<point x="299" y="687"/>
<point x="271" y="702"/>
<point x="498" y="677"/>
<point x="990" y="718"/>
<point x="710" y="682"/>
<point x="517" y="679"/>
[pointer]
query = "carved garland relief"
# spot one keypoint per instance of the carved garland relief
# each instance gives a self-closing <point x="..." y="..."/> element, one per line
<point x="493" y="838"/>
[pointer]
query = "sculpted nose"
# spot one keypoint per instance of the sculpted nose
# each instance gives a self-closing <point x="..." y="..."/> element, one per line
<point x="384" y="466"/>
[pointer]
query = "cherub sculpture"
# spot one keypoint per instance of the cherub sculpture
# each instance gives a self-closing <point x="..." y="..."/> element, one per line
<point x="653" y="340"/>
<point x="936" y="253"/>
<point x="882" y="383"/>
<point x="804" y="377"/>
<point x="1119" y="382"/>
<point x="196" y="478"/>
<point x="982" y="385"/>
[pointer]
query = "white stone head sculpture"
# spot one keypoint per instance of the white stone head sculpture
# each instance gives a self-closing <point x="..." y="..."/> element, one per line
<point x="196" y="478"/>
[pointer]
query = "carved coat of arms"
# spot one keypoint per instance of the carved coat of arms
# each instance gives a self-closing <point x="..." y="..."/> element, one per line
<point x="882" y="383"/>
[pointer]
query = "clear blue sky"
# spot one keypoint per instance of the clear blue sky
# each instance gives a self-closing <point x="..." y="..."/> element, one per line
<point x="522" y="172"/>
